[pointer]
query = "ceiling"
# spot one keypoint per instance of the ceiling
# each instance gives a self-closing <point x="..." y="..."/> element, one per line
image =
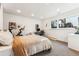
<point x="38" y="10"/>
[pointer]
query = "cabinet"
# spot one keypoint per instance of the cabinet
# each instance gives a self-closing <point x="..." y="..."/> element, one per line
<point x="73" y="41"/>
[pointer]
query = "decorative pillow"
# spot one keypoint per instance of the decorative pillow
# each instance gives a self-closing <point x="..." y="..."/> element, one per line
<point x="6" y="38"/>
<point x="15" y="32"/>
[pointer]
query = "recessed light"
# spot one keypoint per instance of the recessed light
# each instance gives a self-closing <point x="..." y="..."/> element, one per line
<point x="18" y="11"/>
<point x="58" y="9"/>
<point x="32" y="14"/>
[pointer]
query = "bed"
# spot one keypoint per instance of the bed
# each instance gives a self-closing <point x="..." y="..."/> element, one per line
<point x="22" y="45"/>
<point x="6" y="50"/>
<point x="30" y="45"/>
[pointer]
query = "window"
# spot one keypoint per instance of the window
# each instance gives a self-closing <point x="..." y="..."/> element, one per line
<point x="69" y="22"/>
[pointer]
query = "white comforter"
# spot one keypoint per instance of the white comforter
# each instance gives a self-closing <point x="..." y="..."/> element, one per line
<point x="6" y="50"/>
<point x="44" y="44"/>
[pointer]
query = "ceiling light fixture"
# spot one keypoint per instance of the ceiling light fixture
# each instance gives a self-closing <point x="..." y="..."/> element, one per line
<point x="18" y="11"/>
<point x="32" y="14"/>
<point x="58" y="9"/>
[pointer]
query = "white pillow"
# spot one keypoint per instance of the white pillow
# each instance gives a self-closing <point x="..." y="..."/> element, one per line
<point x="6" y="38"/>
<point x="15" y="31"/>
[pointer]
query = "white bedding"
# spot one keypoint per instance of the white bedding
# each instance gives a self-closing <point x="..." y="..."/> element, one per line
<point x="44" y="44"/>
<point x="6" y="38"/>
<point x="6" y="50"/>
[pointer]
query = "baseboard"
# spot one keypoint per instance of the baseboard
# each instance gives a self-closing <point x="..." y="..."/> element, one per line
<point x="73" y="49"/>
<point x="62" y="41"/>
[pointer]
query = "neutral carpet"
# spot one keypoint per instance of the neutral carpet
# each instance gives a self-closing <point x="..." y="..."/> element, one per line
<point x="58" y="49"/>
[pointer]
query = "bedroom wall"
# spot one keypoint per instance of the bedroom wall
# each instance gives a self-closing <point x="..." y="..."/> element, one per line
<point x="74" y="12"/>
<point x="1" y="17"/>
<point x="59" y="32"/>
<point x="28" y="22"/>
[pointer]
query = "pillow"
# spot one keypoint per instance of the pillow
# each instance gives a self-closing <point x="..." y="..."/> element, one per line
<point x="6" y="38"/>
<point x="15" y="32"/>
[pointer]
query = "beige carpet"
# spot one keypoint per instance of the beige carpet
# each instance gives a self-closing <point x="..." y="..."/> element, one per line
<point x="59" y="49"/>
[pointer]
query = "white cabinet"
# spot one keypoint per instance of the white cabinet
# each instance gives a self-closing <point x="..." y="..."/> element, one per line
<point x="73" y="41"/>
<point x="60" y="34"/>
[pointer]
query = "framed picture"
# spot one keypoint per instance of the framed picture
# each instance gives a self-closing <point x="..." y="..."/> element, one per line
<point x="54" y="24"/>
<point x="12" y="25"/>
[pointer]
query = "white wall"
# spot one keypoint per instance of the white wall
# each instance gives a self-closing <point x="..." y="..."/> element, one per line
<point x="46" y="24"/>
<point x="61" y="33"/>
<point x="28" y="22"/>
<point x="74" y="12"/>
<point x="1" y="17"/>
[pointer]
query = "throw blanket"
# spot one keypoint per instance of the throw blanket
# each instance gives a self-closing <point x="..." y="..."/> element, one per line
<point x="21" y="44"/>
